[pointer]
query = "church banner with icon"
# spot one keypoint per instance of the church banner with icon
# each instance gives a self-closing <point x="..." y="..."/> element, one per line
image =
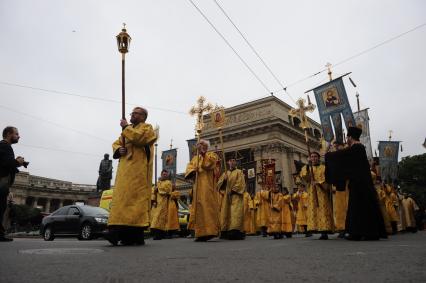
<point x="169" y="161"/>
<point x="362" y="122"/>
<point x="249" y="170"/>
<point x="218" y="117"/>
<point x="192" y="148"/>
<point x="332" y="102"/>
<point x="388" y="158"/>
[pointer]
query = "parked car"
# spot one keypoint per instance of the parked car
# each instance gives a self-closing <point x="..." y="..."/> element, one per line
<point x="183" y="213"/>
<point x="84" y="221"/>
<point x="183" y="210"/>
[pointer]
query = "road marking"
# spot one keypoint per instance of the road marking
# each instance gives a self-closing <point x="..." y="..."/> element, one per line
<point x="61" y="251"/>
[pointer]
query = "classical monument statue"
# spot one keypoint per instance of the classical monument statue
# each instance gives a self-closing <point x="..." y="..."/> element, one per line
<point x="105" y="174"/>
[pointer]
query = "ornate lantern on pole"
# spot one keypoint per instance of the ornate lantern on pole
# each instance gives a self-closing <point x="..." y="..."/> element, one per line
<point x="123" y="43"/>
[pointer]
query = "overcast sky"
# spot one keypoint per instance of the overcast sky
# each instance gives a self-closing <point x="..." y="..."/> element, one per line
<point x="175" y="56"/>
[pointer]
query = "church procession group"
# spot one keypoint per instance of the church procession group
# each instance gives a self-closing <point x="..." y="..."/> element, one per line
<point x="336" y="192"/>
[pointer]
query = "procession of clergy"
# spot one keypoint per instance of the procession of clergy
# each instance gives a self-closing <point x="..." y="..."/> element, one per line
<point x="234" y="213"/>
<point x="343" y="195"/>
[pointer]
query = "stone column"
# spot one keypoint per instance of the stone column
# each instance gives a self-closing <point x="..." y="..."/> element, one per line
<point x="291" y="169"/>
<point x="61" y="203"/>
<point x="47" y="208"/>
<point x="257" y="152"/>
<point x="35" y="202"/>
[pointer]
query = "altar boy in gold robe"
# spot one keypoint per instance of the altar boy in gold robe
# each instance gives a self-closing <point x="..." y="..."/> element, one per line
<point x="232" y="184"/>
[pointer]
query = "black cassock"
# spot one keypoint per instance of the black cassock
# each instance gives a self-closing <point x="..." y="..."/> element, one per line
<point x="363" y="218"/>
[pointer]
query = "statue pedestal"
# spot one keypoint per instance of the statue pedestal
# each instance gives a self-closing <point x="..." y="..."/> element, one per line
<point x="94" y="199"/>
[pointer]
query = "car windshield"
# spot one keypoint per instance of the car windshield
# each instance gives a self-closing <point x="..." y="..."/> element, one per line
<point x="93" y="210"/>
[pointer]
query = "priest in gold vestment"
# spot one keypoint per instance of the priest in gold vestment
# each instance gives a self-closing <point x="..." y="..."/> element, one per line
<point x="232" y="184"/>
<point x="205" y="216"/>
<point x="261" y="200"/>
<point x="410" y="207"/>
<point x="301" y="197"/>
<point x="319" y="213"/>
<point x="286" y="214"/>
<point x="275" y="216"/>
<point x="172" y="225"/>
<point x="159" y="212"/>
<point x="249" y="214"/>
<point x="131" y="203"/>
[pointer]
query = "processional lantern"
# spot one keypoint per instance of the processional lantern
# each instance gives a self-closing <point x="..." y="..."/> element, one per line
<point x="123" y="40"/>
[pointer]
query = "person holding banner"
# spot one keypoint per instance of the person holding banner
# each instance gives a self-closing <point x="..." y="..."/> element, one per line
<point x="232" y="184"/>
<point x="364" y="219"/>
<point x="205" y="216"/>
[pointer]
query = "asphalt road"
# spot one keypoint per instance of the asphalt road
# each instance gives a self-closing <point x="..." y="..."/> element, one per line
<point x="402" y="258"/>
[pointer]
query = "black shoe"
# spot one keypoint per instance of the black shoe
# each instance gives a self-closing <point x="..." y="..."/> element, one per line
<point x="323" y="237"/>
<point x="112" y="238"/>
<point x="140" y="242"/>
<point x="341" y="235"/>
<point x="353" y="238"/>
<point x="4" y="239"/>
<point x="127" y="242"/>
<point x="204" y="238"/>
<point x="307" y="235"/>
<point x="156" y="238"/>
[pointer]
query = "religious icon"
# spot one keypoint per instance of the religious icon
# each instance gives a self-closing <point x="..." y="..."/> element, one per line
<point x="170" y="160"/>
<point x="331" y="97"/>
<point x="218" y="116"/>
<point x="278" y="177"/>
<point x="388" y="151"/>
<point x="259" y="178"/>
<point x="251" y="173"/>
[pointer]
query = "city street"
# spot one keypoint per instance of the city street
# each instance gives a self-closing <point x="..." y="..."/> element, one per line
<point x="402" y="258"/>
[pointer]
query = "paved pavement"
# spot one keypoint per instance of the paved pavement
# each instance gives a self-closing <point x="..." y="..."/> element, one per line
<point x="402" y="258"/>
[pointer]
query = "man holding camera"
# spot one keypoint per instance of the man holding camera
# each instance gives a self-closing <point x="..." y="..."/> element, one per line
<point x="8" y="169"/>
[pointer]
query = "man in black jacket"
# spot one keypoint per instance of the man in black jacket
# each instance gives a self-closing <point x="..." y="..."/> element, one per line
<point x="8" y="169"/>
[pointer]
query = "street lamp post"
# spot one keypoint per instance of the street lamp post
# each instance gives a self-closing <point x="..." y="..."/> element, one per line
<point x="123" y="43"/>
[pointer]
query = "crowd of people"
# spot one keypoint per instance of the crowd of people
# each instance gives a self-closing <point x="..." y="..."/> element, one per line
<point x="343" y="194"/>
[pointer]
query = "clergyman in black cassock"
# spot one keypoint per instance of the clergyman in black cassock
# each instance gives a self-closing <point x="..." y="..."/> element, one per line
<point x="364" y="219"/>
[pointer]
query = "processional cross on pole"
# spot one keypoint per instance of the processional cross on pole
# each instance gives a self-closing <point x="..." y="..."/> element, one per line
<point x="199" y="111"/>
<point x="301" y="114"/>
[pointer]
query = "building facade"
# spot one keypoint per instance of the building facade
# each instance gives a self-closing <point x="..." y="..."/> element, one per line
<point x="48" y="194"/>
<point x="261" y="130"/>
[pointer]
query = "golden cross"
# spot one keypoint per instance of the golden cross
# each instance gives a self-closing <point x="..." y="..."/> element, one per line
<point x="171" y="143"/>
<point x="390" y="135"/>
<point x="199" y="111"/>
<point x="301" y="112"/>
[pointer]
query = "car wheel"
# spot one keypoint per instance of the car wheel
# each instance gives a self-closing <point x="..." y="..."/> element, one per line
<point x="48" y="234"/>
<point x="86" y="232"/>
